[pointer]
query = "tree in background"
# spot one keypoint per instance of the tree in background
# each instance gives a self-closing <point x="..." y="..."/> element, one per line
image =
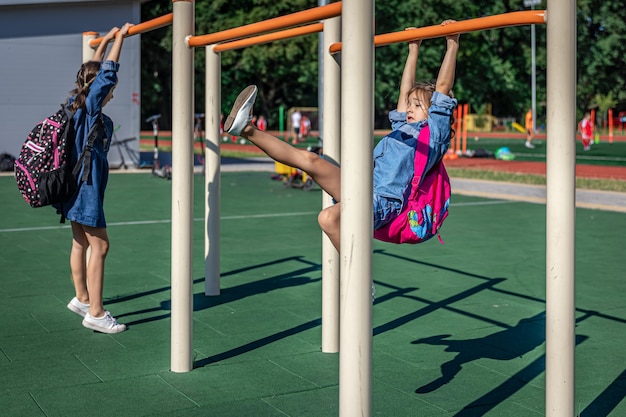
<point x="603" y="103"/>
<point x="156" y="67"/>
<point x="601" y="66"/>
<point x="494" y="66"/>
<point x="285" y="71"/>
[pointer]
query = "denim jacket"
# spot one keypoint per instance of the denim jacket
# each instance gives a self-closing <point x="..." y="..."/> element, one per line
<point x="394" y="156"/>
<point x="87" y="205"/>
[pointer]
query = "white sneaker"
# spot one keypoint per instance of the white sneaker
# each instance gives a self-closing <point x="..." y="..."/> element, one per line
<point x="105" y="324"/>
<point x="530" y="145"/>
<point x="241" y="113"/>
<point x="78" y="307"/>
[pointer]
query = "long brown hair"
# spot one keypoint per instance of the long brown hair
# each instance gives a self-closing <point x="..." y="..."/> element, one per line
<point x="84" y="77"/>
<point x="425" y="91"/>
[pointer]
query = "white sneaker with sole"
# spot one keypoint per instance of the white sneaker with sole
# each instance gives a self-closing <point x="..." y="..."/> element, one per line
<point x="241" y="113"/>
<point x="78" y="307"/>
<point x="105" y="324"/>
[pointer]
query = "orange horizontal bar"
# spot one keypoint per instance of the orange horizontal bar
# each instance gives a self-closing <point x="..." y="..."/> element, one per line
<point x="147" y="26"/>
<point x="270" y="37"/>
<point x="294" y="19"/>
<point x="471" y="25"/>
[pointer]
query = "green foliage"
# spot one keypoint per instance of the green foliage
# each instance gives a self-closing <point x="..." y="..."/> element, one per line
<point x="156" y="66"/>
<point x="603" y="103"/>
<point x="494" y="66"/>
<point x="601" y="51"/>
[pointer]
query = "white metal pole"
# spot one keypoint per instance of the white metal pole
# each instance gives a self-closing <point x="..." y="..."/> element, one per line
<point x="88" y="51"/>
<point x="212" y="172"/>
<point x="321" y="56"/>
<point x="532" y="4"/>
<point x="357" y="131"/>
<point x="332" y="151"/>
<point x="560" y="208"/>
<point x="182" y="186"/>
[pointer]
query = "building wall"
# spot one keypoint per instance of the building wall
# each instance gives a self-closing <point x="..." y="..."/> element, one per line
<point x="41" y="50"/>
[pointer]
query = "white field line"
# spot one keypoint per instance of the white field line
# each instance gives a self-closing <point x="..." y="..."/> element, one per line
<point x="201" y="219"/>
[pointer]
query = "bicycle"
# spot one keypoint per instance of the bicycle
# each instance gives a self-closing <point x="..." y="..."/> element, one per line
<point x="124" y="148"/>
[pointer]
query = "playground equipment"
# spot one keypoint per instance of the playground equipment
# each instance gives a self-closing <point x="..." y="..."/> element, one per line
<point x="293" y="177"/>
<point x="356" y="230"/>
<point x="518" y="127"/>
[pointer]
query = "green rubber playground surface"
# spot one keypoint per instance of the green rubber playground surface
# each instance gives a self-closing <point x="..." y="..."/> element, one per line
<point x="458" y="329"/>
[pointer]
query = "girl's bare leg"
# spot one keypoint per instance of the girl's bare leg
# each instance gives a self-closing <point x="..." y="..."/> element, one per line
<point x="328" y="220"/>
<point x="78" y="262"/>
<point x="324" y="173"/>
<point x="99" y="242"/>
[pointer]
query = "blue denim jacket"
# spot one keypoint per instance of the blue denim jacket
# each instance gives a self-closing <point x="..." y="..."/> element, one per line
<point x="394" y="156"/>
<point x="87" y="205"/>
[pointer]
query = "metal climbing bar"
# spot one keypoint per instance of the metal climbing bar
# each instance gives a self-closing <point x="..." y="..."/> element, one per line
<point x="277" y="23"/>
<point x="270" y="37"/>
<point x="142" y="27"/>
<point x="481" y="23"/>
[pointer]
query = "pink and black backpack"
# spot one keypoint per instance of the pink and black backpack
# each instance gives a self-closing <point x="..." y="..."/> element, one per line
<point x="427" y="205"/>
<point x="43" y="169"/>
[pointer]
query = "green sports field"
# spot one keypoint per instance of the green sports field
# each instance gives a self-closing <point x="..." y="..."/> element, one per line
<point x="458" y="329"/>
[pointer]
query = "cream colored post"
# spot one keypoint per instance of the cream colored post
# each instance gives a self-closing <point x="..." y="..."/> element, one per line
<point x="88" y="51"/>
<point x="357" y="132"/>
<point x="560" y="208"/>
<point x="182" y="187"/>
<point x="332" y="144"/>
<point x="212" y="191"/>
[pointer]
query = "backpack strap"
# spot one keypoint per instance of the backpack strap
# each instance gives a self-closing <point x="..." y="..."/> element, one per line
<point x="85" y="157"/>
<point x="421" y="158"/>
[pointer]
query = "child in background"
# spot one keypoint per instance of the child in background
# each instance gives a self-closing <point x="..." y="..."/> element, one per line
<point x="530" y="129"/>
<point x="586" y="131"/>
<point x="261" y="123"/>
<point x="418" y="105"/>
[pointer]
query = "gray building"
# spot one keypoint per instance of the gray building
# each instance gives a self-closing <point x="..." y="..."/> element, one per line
<point x="41" y="50"/>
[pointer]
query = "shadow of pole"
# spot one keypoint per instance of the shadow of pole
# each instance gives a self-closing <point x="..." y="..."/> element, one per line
<point x="258" y="343"/>
<point x="507" y="344"/>
<point x="435" y="306"/>
<point x="498" y="290"/>
<point x="202" y="302"/>
<point x="490" y="400"/>
<point x="608" y="399"/>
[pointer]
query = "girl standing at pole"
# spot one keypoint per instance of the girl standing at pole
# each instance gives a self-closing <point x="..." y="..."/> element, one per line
<point x="419" y="105"/>
<point x="95" y="83"/>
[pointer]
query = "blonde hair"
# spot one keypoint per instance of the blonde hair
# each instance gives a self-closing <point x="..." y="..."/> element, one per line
<point x="424" y="91"/>
<point x="86" y="74"/>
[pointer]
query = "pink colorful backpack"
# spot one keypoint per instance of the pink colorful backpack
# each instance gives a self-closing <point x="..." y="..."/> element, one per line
<point x="427" y="205"/>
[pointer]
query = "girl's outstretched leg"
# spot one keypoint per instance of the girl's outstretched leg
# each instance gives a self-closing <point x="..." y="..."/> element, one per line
<point x="324" y="173"/>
